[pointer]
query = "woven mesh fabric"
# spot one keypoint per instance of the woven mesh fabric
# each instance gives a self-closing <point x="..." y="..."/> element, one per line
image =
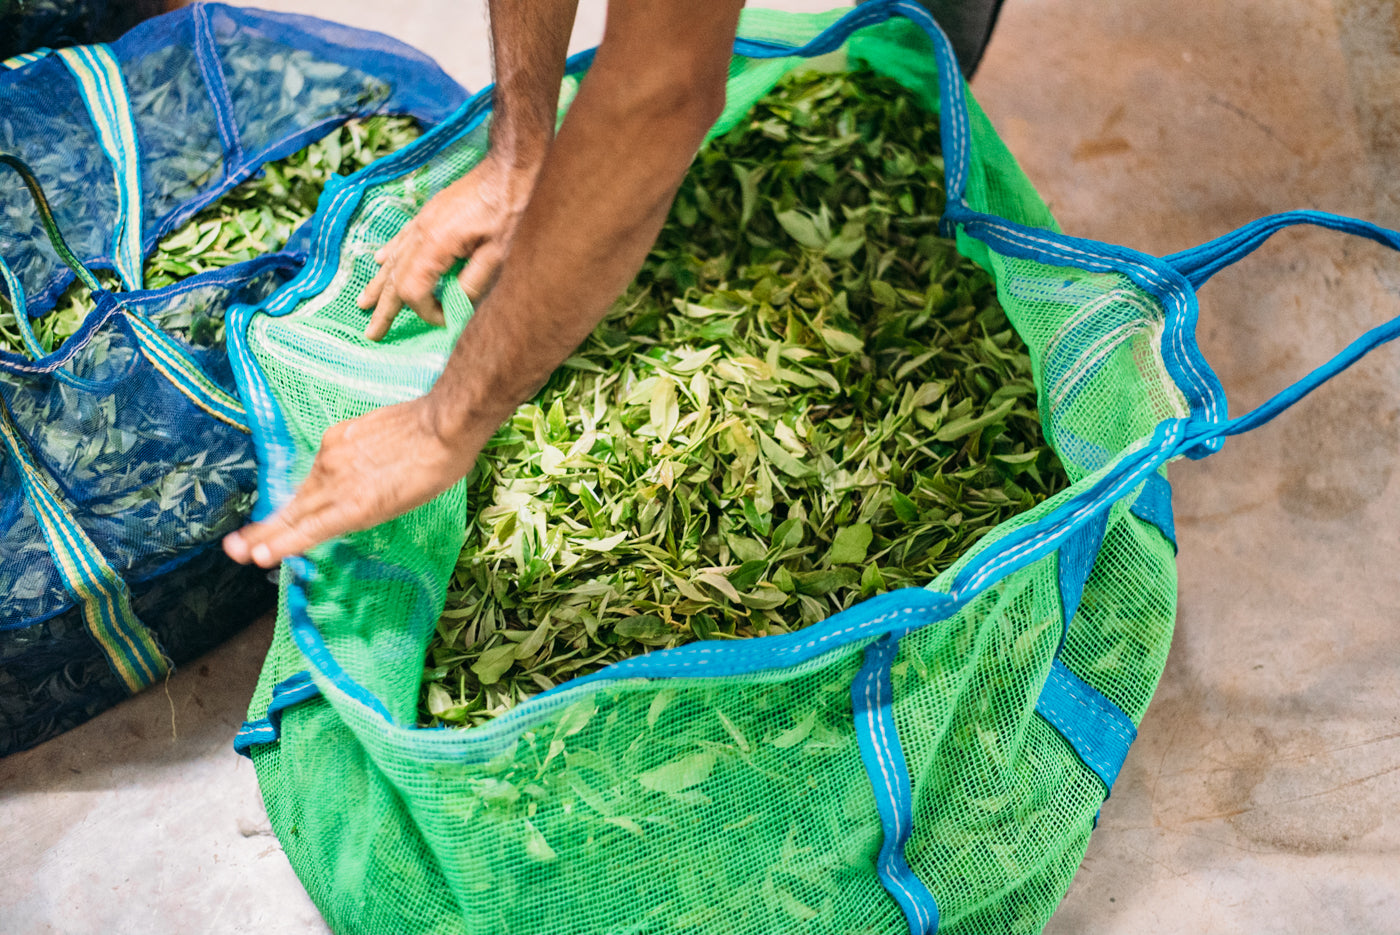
<point x="151" y="477"/>
<point x="730" y="795"/>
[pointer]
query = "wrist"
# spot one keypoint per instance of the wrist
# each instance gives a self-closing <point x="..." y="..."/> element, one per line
<point x="517" y="167"/>
<point x="520" y="141"/>
<point x="458" y="425"/>
<point x="519" y="153"/>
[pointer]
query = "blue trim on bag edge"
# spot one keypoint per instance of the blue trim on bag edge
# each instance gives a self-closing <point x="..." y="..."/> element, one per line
<point x="1154" y="505"/>
<point x="1074" y="561"/>
<point x="268" y="728"/>
<point x="211" y="69"/>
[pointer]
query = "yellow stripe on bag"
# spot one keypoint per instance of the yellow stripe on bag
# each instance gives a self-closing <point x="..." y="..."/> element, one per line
<point x="184" y="374"/>
<point x="130" y="648"/>
<point x="99" y="78"/>
<point x="19" y="61"/>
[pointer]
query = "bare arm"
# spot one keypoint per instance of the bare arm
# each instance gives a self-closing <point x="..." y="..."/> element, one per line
<point x="476" y="215"/>
<point x="603" y="192"/>
<point x="607" y="186"/>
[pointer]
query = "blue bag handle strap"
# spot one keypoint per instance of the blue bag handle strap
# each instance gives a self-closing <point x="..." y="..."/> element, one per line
<point x="1199" y="264"/>
<point x="1268" y="411"/>
<point x="19" y="61"/>
<point x="129" y="647"/>
<point x="49" y="223"/>
<point x="98" y="75"/>
<point x="1176" y="437"/>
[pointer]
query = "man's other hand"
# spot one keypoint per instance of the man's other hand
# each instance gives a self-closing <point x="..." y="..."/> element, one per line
<point x="367" y="471"/>
<point x="472" y="219"/>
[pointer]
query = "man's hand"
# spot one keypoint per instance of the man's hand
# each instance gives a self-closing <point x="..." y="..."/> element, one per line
<point x="367" y="471"/>
<point x="471" y="219"/>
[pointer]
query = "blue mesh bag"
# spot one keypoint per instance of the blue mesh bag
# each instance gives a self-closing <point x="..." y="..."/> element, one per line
<point x="125" y="453"/>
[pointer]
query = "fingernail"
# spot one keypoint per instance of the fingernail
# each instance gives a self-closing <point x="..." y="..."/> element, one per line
<point x="235" y="548"/>
<point x="262" y="554"/>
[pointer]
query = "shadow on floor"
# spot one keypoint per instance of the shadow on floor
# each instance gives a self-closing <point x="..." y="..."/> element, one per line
<point x="198" y="709"/>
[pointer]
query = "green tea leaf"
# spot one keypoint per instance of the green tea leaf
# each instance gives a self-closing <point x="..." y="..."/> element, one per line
<point x="960" y="428"/>
<point x="904" y="508"/>
<point x="850" y="544"/>
<point x="536" y="847"/>
<point x="682" y="774"/>
<point x="494" y="663"/>
<point x="793" y="907"/>
<point x="797" y="733"/>
<point x="780" y="458"/>
<point x="645" y="628"/>
<point x="747" y="575"/>
<point x="801" y="228"/>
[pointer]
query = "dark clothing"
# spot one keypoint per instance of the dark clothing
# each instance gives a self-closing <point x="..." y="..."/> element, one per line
<point x="26" y="25"/>
<point x="968" y="24"/>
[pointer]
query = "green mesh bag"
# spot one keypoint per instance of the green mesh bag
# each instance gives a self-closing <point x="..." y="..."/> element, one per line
<point x="933" y="758"/>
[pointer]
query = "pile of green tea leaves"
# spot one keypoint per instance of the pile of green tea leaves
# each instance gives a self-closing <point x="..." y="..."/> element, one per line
<point x="805" y="398"/>
<point x="256" y="217"/>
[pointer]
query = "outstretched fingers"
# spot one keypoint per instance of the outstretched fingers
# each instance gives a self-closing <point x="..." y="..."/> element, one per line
<point x="415" y="277"/>
<point x="381" y="301"/>
<point x="288" y="532"/>
<point x="368" y="470"/>
<point x="388" y="303"/>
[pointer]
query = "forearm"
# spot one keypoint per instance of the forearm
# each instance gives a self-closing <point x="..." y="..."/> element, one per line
<point x="529" y="40"/>
<point x="602" y="195"/>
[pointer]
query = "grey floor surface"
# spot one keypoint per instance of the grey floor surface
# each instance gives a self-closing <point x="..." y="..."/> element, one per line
<point x="1263" y="791"/>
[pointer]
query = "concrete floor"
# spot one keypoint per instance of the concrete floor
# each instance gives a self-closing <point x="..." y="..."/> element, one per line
<point x="1261" y="794"/>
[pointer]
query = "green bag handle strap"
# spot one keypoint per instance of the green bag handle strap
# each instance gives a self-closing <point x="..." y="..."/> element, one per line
<point x="20" y="304"/>
<point x="18" y="299"/>
<point x="47" y="221"/>
<point x="130" y="648"/>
